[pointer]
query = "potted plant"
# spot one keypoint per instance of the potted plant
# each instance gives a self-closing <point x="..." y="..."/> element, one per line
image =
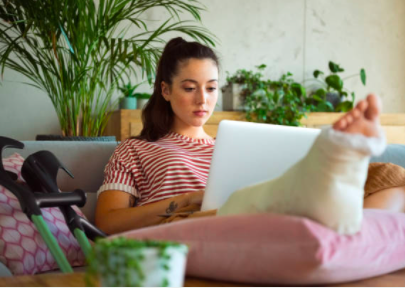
<point x="333" y="96"/>
<point x="142" y="99"/>
<point x="77" y="51"/>
<point x="281" y="102"/>
<point x="128" y="101"/>
<point x="238" y="86"/>
<point x="123" y="262"/>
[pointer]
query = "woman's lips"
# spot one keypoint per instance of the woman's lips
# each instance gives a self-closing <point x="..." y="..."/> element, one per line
<point x="200" y="113"/>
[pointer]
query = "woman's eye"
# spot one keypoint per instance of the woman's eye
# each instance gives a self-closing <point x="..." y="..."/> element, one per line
<point x="189" y="89"/>
<point x="212" y="89"/>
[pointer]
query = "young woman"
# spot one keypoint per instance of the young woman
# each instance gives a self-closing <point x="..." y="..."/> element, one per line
<point x="165" y="168"/>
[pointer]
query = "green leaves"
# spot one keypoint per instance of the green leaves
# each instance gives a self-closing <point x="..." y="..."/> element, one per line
<point x="324" y="106"/>
<point x="122" y="262"/>
<point x="320" y="93"/>
<point x="78" y="52"/>
<point x="129" y="90"/>
<point x="285" y="101"/>
<point x="363" y="76"/>
<point x="277" y="102"/>
<point x="335" y="68"/>
<point x="344" y="106"/>
<point x="298" y="89"/>
<point x="261" y="67"/>
<point x="335" y="82"/>
<point x="317" y="73"/>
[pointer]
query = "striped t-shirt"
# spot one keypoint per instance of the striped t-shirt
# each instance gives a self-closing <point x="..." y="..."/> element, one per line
<point x="154" y="171"/>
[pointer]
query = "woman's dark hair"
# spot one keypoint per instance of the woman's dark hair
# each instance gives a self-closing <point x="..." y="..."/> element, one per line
<point x="158" y="116"/>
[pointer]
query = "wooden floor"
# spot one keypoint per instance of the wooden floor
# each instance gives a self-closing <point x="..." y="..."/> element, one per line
<point x="396" y="279"/>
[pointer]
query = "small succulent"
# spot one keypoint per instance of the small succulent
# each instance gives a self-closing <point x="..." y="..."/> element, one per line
<point x="129" y="90"/>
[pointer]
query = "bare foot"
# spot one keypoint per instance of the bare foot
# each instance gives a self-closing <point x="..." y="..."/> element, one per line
<point x="363" y="119"/>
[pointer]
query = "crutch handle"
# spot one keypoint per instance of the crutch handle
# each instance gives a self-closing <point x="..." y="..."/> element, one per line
<point x="77" y="197"/>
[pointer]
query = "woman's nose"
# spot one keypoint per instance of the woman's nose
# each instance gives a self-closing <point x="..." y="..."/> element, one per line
<point x="201" y="97"/>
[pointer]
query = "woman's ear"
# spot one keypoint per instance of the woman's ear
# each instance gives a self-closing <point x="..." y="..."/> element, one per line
<point x="165" y="90"/>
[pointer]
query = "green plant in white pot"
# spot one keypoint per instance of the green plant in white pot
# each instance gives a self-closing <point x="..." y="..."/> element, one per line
<point x="77" y="51"/>
<point x="123" y="262"/>
<point x="239" y="86"/>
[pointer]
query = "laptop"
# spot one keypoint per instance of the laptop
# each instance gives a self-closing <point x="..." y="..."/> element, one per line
<point x="247" y="153"/>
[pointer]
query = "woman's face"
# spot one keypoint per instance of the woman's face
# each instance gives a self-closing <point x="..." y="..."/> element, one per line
<point x="193" y="93"/>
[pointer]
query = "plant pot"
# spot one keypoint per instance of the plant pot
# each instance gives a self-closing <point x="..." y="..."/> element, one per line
<point x="141" y="102"/>
<point x="74" y="138"/>
<point x="128" y="103"/>
<point x="123" y="265"/>
<point x="232" y="99"/>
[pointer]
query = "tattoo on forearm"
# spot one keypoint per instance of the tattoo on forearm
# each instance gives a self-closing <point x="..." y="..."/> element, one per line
<point x="172" y="207"/>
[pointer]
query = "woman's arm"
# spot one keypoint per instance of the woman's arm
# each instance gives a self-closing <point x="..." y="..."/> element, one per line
<point x="114" y="212"/>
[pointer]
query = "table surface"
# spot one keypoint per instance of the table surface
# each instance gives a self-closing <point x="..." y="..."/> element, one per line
<point x="395" y="279"/>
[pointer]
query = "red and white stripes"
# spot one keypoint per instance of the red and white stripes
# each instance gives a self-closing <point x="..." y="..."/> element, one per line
<point x="154" y="171"/>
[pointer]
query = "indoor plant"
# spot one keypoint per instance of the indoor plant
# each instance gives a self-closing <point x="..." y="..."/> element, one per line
<point x="277" y="102"/>
<point x="129" y="262"/>
<point x="332" y="95"/>
<point x="128" y="100"/>
<point x="78" y="51"/>
<point x="238" y="86"/>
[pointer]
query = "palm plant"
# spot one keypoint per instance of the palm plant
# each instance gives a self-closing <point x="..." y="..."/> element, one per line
<point x="79" y="51"/>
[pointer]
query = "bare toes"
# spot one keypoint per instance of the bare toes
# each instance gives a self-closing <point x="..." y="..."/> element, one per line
<point x="355" y="113"/>
<point x="362" y="106"/>
<point x="340" y="124"/>
<point x="374" y="107"/>
<point x="349" y="119"/>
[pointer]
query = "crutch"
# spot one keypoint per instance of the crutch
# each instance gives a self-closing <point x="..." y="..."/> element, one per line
<point x="40" y="171"/>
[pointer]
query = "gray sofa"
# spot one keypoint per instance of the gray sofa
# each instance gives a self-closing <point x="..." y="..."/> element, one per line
<point x="86" y="160"/>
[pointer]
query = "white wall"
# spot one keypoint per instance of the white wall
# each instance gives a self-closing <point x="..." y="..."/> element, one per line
<point x="287" y="35"/>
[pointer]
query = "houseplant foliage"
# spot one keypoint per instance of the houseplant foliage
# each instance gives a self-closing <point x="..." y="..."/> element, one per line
<point x="277" y="102"/>
<point x="280" y="102"/>
<point x="333" y="96"/>
<point x="128" y="100"/>
<point x="286" y="101"/>
<point x="78" y="51"/>
<point x="125" y="262"/>
<point x="250" y="80"/>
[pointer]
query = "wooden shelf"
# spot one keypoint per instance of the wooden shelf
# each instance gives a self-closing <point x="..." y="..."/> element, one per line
<point x="127" y="123"/>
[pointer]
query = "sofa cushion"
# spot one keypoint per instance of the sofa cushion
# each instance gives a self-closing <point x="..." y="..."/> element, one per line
<point x="395" y="153"/>
<point x="22" y="248"/>
<point x="281" y="249"/>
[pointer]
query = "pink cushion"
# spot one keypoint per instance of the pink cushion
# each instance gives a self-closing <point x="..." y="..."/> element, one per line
<point x="280" y="249"/>
<point x="22" y="248"/>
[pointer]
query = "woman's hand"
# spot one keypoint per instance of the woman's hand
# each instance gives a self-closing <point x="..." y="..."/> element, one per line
<point x="115" y="212"/>
<point x="187" y="202"/>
